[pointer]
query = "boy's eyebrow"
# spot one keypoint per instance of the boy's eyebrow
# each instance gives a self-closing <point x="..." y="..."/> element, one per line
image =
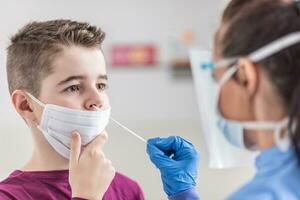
<point x="71" y="78"/>
<point x="103" y="77"/>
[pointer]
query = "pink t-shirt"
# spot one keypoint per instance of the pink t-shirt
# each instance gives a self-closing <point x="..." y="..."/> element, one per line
<point x="54" y="185"/>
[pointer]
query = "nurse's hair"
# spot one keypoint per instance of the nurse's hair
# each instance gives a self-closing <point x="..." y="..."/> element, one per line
<point x="249" y="25"/>
<point x="233" y="8"/>
<point x="33" y="48"/>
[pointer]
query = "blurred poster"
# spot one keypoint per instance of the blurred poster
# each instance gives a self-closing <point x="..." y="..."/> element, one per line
<point x="133" y="55"/>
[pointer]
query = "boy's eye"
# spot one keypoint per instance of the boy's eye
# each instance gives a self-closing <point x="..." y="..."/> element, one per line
<point x="102" y="86"/>
<point x="73" y="88"/>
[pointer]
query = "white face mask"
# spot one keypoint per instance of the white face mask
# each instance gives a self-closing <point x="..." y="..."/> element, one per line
<point x="58" y="123"/>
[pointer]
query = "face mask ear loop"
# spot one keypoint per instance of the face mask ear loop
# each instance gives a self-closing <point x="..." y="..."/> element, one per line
<point x="228" y="74"/>
<point x="35" y="100"/>
<point x="283" y="142"/>
<point x="39" y="103"/>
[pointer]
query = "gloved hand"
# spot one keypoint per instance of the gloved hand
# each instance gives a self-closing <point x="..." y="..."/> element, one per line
<point x="177" y="160"/>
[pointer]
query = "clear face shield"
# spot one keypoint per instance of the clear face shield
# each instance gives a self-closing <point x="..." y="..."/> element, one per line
<point x="224" y="137"/>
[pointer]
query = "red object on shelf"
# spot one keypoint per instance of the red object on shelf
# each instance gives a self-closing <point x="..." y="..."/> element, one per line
<point x="131" y="55"/>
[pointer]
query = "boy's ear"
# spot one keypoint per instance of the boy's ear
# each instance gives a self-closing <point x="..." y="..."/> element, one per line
<point x="23" y="105"/>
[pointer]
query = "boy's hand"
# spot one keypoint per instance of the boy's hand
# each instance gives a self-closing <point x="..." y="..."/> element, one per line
<point x="90" y="171"/>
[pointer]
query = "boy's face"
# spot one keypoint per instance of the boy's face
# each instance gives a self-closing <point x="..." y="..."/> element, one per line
<point x="78" y="80"/>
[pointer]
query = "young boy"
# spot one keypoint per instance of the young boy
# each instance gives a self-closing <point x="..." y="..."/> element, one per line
<point x="56" y="69"/>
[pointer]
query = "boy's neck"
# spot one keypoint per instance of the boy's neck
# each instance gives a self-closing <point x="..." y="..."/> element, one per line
<point x="43" y="162"/>
<point x="44" y="157"/>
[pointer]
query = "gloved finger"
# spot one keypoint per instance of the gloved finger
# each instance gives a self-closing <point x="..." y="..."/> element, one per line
<point x="171" y="143"/>
<point x="186" y="153"/>
<point x="167" y="151"/>
<point x="158" y="157"/>
<point x="181" y="148"/>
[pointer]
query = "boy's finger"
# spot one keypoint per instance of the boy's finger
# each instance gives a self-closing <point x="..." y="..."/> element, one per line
<point x="75" y="148"/>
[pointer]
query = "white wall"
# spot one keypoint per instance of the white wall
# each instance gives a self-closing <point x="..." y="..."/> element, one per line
<point x="148" y="101"/>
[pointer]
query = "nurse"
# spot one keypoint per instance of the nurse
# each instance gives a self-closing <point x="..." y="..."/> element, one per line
<point x="250" y="97"/>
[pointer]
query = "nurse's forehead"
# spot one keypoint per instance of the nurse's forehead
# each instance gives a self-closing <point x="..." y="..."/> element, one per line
<point x="218" y="39"/>
<point x="216" y="50"/>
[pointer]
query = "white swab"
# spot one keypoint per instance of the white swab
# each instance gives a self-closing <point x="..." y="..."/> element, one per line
<point x="128" y="130"/>
<point x="124" y="127"/>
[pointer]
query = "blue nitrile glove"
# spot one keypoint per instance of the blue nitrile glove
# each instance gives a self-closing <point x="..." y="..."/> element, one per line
<point x="177" y="160"/>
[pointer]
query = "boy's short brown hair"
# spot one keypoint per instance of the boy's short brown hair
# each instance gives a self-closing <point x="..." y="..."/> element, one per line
<point x="35" y="46"/>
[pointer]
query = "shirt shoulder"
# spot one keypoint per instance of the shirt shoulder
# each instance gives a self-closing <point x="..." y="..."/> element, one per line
<point x="12" y="187"/>
<point x="123" y="187"/>
<point x="279" y="184"/>
<point x="121" y="178"/>
<point x="35" y="185"/>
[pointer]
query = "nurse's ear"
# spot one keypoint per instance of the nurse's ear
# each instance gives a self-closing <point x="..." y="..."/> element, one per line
<point x="247" y="75"/>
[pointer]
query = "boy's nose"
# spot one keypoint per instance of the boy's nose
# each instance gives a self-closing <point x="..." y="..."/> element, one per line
<point x="95" y="100"/>
<point x="94" y="106"/>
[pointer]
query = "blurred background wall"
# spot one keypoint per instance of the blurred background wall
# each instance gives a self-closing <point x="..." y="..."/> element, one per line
<point x="150" y="100"/>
